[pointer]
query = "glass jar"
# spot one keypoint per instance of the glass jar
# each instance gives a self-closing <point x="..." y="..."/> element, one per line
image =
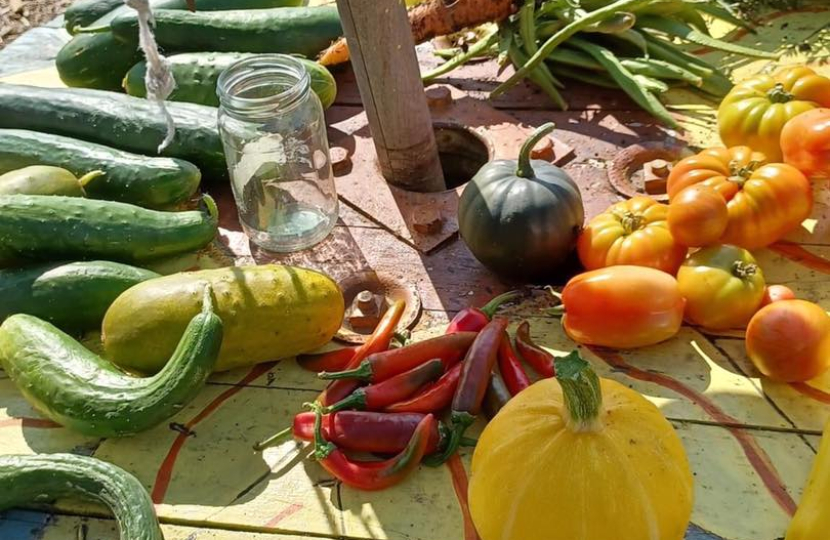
<point x="274" y="134"/>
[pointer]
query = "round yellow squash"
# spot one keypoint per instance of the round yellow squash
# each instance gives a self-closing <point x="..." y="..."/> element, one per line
<point x="269" y="312"/>
<point x="580" y="458"/>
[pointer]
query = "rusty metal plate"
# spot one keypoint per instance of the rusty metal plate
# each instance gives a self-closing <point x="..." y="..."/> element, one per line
<point x="426" y="220"/>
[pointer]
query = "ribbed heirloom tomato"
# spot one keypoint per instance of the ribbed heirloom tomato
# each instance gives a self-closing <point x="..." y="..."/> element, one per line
<point x="623" y="307"/>
<point x="755" y="110"/>
<point x="631" y="232"/>
<point x="698" y="216"/>
<point x="723" y="287"/>
<point x="764" y="201"/>
<point x="805" y="141"/>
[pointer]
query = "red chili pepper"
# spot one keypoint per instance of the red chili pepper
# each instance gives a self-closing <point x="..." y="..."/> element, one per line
<point x="466" y="403"/>
<point x="381" y="366"/>
<point x="379" y="396"/>
<point x="372" y="475"/>
<point x="377" y="342"/>
<point x="497" y="395"/>
<point x="474" y="319"/>
<point x="539" y="359"/>
<point x="514" y="375"/>
<point x="434" y="397"/>
<point x="367" y="431"/>
<point x="329" y="361"/>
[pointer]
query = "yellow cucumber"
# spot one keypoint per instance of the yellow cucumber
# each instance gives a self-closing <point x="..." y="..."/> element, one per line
<point x="269" y="312"/>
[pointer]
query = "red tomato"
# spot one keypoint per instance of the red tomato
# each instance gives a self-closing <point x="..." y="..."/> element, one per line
<point x="631" y="232"/>
<point x="623" y="307"/>
<point x="698" y="216"/>
<point x="805" y="141"/>
<point x="790" y="340"/>
<point x="776" y="293"/>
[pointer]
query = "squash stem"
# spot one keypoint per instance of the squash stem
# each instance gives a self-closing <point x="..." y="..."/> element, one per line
<point x="581" y="390"/>
<point x="525" y="170"/>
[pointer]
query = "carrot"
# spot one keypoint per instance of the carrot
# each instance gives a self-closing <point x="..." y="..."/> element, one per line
<point x="435" y="18"/>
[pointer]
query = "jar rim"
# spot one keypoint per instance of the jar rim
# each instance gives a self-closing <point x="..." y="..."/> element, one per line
<point x="260" y="67"/>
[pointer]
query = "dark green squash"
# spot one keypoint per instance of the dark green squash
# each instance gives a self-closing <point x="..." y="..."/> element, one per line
<point x="521" y="218"/>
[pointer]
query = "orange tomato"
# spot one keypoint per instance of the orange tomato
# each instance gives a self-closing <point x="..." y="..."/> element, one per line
<point x="723" y="287"/>
<point x="805" y="142"/>
<point x="698" y="216"/>
<point x="623" y="307"/>
<point x="631" y="232"/>
<point x="790" y="340"/>
<point x="756" y="109"/>
<point x="764" y="201"/>
<point x="776" y="293"/>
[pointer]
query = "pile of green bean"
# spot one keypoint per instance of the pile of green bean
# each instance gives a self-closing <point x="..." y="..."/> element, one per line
<point x="626" y="44"/>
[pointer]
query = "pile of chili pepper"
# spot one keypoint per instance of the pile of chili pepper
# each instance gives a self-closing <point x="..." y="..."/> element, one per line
<point x="389" y="401"/>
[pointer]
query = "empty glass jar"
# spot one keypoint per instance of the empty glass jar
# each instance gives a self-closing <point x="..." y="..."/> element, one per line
<point x="274" y="135"/>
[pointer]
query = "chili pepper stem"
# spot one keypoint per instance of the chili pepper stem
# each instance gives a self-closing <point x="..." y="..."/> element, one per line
<point x="493" y="305"/>
<point x="322" y="448"/>
<point x="273" y="439"/>
<point x="582" y="393"/>
<point x="363" y="372"/>
<point x="525" y="170"/>
<point x="355" y="400"/>
<point x="459" y="422"/>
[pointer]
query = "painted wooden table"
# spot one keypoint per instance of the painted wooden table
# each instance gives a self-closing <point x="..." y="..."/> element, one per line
<point x="750" y="441"/>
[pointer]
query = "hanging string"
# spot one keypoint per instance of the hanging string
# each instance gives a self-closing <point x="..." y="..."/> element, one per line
<point x="159" y="79"/>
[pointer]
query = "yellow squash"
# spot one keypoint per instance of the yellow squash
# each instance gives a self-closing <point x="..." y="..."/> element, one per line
<point x="580" y="458"/>
<point x="812" y="520"/>
<point x="269" y="312"/>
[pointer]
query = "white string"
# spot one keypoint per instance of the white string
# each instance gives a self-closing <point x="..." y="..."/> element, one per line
<point x="159" y="80"/>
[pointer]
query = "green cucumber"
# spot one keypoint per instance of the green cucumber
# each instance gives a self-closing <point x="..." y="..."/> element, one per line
<point x="303" y="30"/>
<point x="100" y="61"/>
<point x="125" y="122"/>
<point x="144" y="181"/>
<point x="46" y="477"/>
<point x="85" y="12"/>
<point x="44" y="180"/>
<point x="72" y="296"/>
<point x="52" y="228"/>
<point x="196" y="75"/>
<point x="84" y="392"/>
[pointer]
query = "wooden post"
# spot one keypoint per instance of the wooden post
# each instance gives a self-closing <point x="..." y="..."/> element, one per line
<point x="383" y="57"/>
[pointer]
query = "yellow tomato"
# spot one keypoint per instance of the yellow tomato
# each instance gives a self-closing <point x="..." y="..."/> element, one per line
<point x="632" y="232"/>
<point x="755" y="110"/>
<point x="580" y="458"/>
<point x="723" y="287"/>
<point x="812" y="520"/>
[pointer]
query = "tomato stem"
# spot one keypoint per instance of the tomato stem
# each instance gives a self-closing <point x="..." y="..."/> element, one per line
<point x="630" y="222"/>
<point x="581" y="390"/>
<point x="779" y="95"/>
<point x="525" y="169"/>
<point x="740" y="174"/>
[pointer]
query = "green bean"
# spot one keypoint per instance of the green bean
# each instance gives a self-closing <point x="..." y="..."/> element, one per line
<point x="477" y="48"/>
<point x="715" y="82"/>
<point x="448" y="54"/>
<point x="563" y="34"/>
<point x="570" y="57"/>
<point x="677" y="28"/>
<point x="518" y="58"/>
<point x="724" y="12"/>
<point x="627" y="81"/>
<point x="589" y="77"/>
<point x="635" y="38"/>
<point x="527" y="31"/>
<point x="653" y="85"/>
<point x="659" y="69"/>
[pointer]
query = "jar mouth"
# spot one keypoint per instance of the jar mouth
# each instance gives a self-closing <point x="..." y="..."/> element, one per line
<point x="260" y="85"/>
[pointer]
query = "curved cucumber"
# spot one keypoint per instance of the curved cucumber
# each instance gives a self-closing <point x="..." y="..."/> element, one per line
<point x="100" y="61"/>
<point x="144" y="181"/>
<point x="196" y="75"/>
<point x="41" y="227"/>
<point x="41" y="478"/>
<point x="80" y="390"/>
<point x="72" y="296"/>
<point x="111" y="119"/>
<point x="302" y="30"/>
<point x="85" y="12"/>
<point x="44" y="180"/>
